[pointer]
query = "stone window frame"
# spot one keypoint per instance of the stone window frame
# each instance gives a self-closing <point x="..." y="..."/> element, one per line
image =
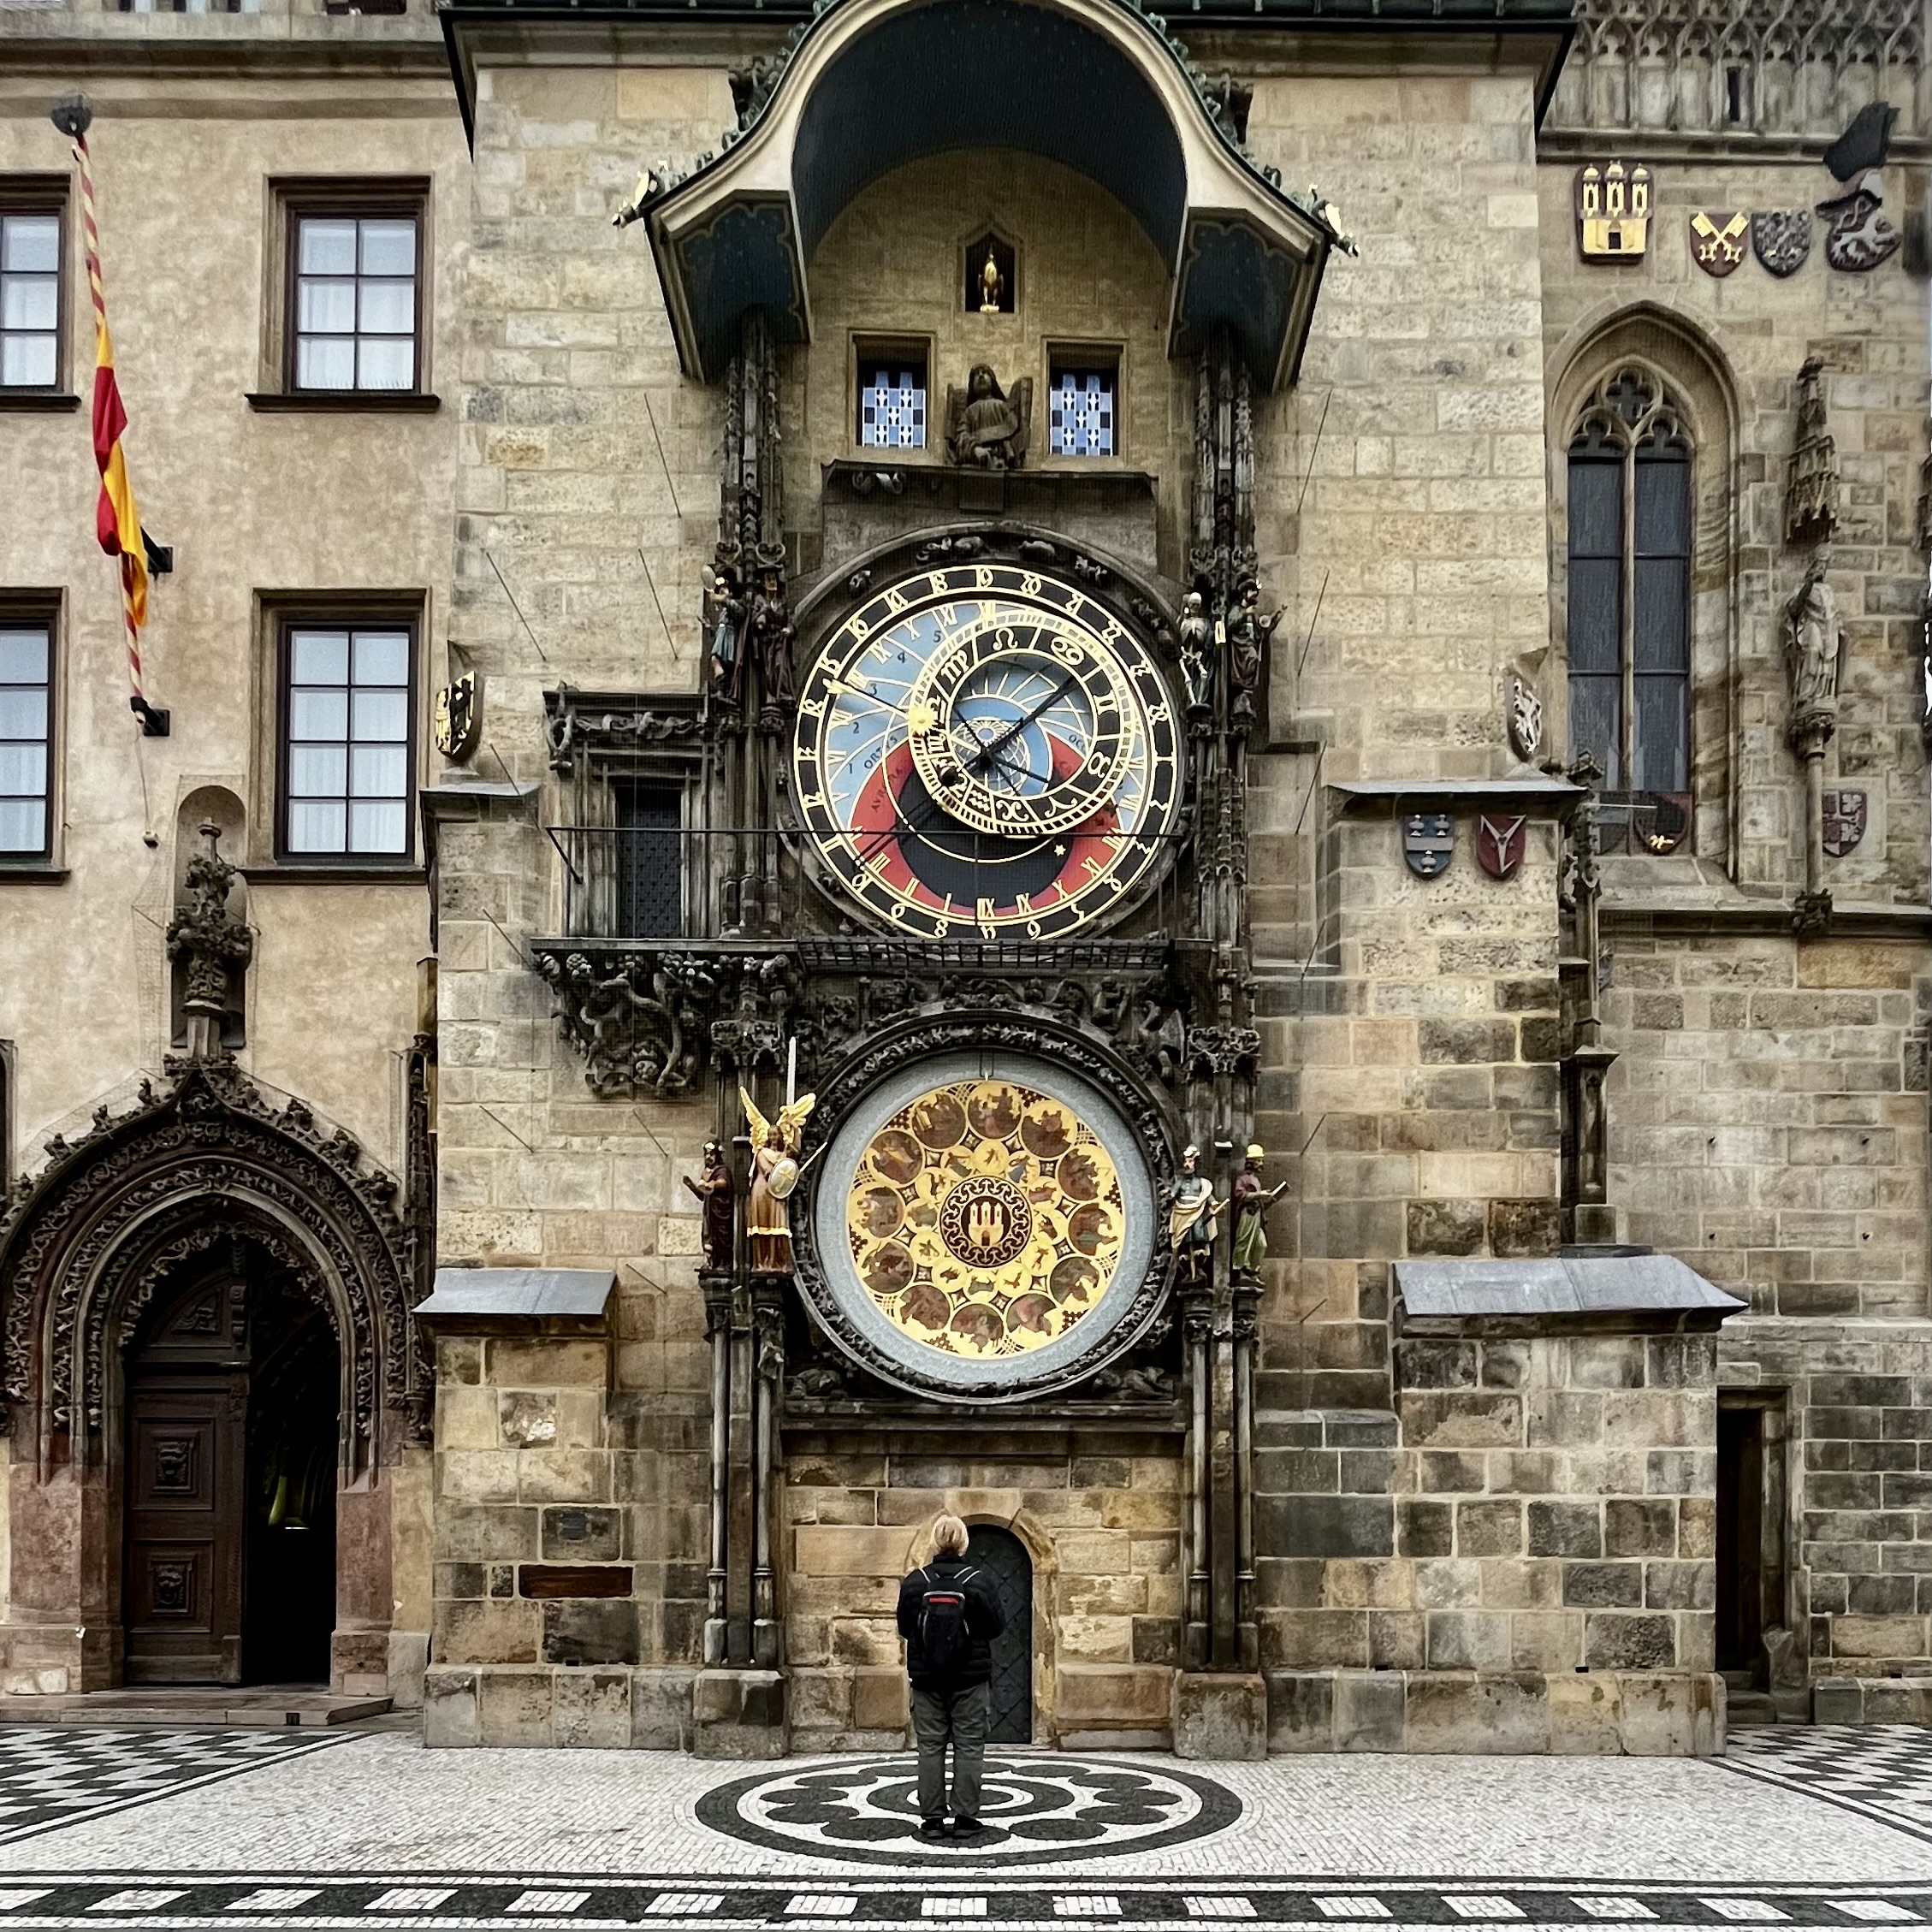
<point x="276" y="611"/>
<point x="294" y="199"/>
<point x="47" y="194"/>
<point x="1674" y="353"/>
<point x="30" y="608"/>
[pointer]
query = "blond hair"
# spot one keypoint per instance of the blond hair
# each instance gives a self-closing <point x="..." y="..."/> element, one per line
<point x="949" y="1536"/>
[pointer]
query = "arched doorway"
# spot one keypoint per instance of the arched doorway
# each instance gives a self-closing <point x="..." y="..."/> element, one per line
<point x="1004" y="1559"/>
<point x="233" y="1425"/>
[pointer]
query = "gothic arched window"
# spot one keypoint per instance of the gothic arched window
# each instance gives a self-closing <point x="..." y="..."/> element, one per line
<point x="1629" y="585"/>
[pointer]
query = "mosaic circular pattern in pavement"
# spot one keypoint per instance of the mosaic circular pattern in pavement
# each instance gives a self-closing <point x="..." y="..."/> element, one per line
<point x="1035" y="1810"/>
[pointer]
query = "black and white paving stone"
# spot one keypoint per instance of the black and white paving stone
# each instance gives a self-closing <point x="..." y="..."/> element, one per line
<point x="145" y="1828"/>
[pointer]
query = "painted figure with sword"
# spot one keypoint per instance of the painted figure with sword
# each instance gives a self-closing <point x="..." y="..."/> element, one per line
<point x="775" y="1171"/>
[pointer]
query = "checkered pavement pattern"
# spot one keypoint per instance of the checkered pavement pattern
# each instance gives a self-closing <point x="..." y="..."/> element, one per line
<point x="50" y="1776"/>
<point x="1881" y="1771"/>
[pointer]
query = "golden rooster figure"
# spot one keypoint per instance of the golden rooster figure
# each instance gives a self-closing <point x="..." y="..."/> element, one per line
<point x="774" y="1173"/>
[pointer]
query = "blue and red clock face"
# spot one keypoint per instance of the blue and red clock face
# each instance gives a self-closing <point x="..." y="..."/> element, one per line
<point x="982" y="752"/>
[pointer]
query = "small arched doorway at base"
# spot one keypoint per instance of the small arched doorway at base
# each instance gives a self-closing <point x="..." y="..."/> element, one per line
<point x="232" y="1400"/>
<point x="1004" y="1559"/>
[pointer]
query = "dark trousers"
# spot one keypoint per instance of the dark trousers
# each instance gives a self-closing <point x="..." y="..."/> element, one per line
<point x="958" y="1718"/>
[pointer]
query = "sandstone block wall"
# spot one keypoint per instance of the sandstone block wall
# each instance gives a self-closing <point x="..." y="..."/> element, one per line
<point x="1100" y="1519"/>
<point x="1534" y="1505"/>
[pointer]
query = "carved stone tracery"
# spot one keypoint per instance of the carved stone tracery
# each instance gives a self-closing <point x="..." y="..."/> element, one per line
<point x="85" y="1245"/>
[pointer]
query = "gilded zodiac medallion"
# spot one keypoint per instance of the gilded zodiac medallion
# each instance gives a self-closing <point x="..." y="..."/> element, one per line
<point x="985" y="1218"/>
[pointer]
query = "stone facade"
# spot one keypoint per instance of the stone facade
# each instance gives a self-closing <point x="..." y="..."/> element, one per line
<point x="1513" y="1534"/>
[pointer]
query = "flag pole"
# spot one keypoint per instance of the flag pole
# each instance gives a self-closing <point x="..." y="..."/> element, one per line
<point x="118" y="523"/>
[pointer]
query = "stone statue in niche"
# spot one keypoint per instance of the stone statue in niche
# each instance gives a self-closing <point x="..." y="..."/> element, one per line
<point x="208" y="943"/>
<point x="1190" y="1221"/>
<point x="724" y="626"/>
<point x="719" y="1197"/>
<point x="1197" y="663"/>
<point x="1248" y="633"/>
<point x="985" y="429"/>
<point x="1813" y="641"/>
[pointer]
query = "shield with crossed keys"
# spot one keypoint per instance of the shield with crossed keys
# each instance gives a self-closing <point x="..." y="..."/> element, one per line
<point x="1717" y="241"/>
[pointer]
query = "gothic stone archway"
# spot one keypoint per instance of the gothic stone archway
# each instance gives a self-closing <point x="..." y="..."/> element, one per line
<point x="86" y="1246"/>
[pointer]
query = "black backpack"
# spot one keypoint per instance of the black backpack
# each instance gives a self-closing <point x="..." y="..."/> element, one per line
<point x="945" y="1644"/>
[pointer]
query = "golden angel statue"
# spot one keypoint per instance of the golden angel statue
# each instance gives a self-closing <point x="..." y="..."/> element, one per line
<point x="774" y="1173"/>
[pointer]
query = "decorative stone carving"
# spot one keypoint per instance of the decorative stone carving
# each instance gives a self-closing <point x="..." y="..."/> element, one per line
<point x="985" y="427"/>
<point x="87" y="1243"/>
<point x="1811" y="493"/>
<point x="641" y="1019"/>
<point x="1638" y="63"/>
<point x="597" y="724"/>
<point x="724" y="633"/>
<point x="208" y="943"/>
<point x="1525" y="719"/>
<point x="771" y="635"/>
<point x="1858" y="237"/>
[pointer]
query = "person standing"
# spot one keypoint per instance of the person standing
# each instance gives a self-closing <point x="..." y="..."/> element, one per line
<point x="948" y="1616"/>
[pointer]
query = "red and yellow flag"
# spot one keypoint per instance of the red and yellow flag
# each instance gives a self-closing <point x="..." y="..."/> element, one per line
<point x="117" y="523"/>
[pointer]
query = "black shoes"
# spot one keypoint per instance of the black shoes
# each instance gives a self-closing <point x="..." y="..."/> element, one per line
<point x="935" y="1828"/>
<point x="965" y="1827"/>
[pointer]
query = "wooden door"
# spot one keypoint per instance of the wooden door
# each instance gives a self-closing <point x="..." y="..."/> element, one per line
<point x="186" y="1494"/>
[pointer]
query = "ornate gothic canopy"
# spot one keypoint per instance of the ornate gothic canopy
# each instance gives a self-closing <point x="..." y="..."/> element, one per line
<point x="1091" y="84"/>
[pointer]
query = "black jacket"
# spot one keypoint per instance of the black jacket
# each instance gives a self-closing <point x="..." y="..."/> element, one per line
<point x="985" y="1619"/>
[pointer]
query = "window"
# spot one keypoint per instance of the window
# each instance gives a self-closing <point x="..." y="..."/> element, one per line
<point x="651" y="900"/>
<point x="992" y="275"/>
<point x="30" y="255"/>
<point x="1081" y="412"/>
<point x="1629" y="638"/>
<point x="892" y="402"/>
<point x="354" y="312"/>
<point x="348" y="748"/>
<point x="27" y="739"/>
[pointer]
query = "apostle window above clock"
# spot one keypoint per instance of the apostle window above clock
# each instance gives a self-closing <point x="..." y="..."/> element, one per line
<point x="1082" y="410"/>
<point x="892" y="402"/>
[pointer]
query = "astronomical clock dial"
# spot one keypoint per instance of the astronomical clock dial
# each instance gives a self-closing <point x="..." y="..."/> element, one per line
<point x="982" y="750"/>
<point x="983" y="1224"/>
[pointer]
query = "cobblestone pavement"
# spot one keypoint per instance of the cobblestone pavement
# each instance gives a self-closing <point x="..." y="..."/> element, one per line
<point x="1824" y="1827"/>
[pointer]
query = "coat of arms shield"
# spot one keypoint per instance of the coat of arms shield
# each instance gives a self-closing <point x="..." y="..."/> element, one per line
<point x="1782" y="238"/>
<point x="1428" y="843"/>
<point x="1718" y="240"/>
<point x="1501" y="842"/>
<point x="1844" y="821"/>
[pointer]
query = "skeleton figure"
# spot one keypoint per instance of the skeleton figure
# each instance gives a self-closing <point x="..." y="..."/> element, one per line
<point x="1197" y="666"/>
<point x="774" y="1174"/>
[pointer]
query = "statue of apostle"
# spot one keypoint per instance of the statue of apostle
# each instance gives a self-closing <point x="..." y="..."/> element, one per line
<point x="1248" y="633"/>
<point x="1190" y="1221"/>
<point x="718" y="1196"/>
<point x="1251" y="1202"/>
<point x="1812" y="644"/>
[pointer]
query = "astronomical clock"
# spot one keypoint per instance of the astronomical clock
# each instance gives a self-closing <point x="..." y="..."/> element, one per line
<point x="982" y="750"/>
<point x="987" y="765"/>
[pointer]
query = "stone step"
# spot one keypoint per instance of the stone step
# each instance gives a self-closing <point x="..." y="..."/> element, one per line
<point x="1749" y="1710"/>
<point x="197" y="1706"/>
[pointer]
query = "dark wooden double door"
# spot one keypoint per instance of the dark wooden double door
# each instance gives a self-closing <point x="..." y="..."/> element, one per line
<point x="230" y="1551"/>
